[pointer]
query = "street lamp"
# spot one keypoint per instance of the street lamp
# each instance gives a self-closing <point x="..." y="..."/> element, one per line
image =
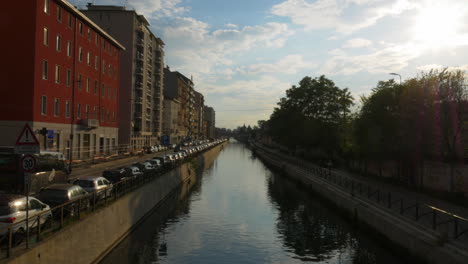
<point x="392" y="73"/>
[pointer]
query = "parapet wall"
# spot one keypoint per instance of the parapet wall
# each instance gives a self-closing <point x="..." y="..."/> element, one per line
<point x="91" y="238"/>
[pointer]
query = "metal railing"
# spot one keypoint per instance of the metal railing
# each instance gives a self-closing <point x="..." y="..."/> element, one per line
<point x="449" y="226"/>
<point x="17" y="237"/>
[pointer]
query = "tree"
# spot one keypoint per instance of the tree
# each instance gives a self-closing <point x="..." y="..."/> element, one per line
<point x="312" y="115"/>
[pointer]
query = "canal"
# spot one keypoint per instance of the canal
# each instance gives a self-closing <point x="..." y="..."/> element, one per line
<point x="239" y="211"/>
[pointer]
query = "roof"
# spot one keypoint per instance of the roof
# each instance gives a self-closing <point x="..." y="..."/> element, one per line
<point x="59" y="187"/>
<point x="82" y="16"/>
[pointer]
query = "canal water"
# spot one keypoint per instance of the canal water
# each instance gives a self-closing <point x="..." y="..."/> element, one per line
<point x="239" y="211"/>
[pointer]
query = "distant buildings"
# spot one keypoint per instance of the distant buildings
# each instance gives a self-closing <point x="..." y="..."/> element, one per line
<point x="94" y="80"/>
<point x="61" y="72"/>
<point x="210" y="122"/>
<point x="142" y="71"/>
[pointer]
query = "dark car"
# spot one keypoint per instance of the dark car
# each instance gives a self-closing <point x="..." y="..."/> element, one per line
<point x="57" y="194"/>
<point x="140" y="166"/>
<point x="117" y="175"/>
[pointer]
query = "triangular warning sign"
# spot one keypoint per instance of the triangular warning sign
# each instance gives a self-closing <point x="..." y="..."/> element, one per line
<point x="27" y="137"/>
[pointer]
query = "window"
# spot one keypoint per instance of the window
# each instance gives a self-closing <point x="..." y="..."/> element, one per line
<point x="96" y="39"/>
<point x="46" y="6"/>
<point x="113" y="116"/>
<point x="87" y="112"/>
<point x="109" y="70"/>
<point x="46" y="36"/>
<point x="57" y="73"/>
<point x="45" y="70"/>
<point x="80" y="54"/>
<point x="103" y="90"/>
<point x="95" y="112"/>
<point x="103" y="66"/>
<point x="79" y="81"/>
<point x="88" y="58"/>
<point x="56" y="107"/>
<point x="69" y="48"/>
<point x="96" y="87"/>
<point x="115" y="93"/>
<point x="78" y="111"/>
<point x="89" y="34"/>
<point x="59" y="14"/>
<point x="70" y="23"/>
<point x="58" y="43"/>
<point x="102" y="114"/>
<point x="108" y="115"/>
<point x="80" y="28"/>
<point x="96" y="62"/>
<point x="88" y="84"/>
<point x="68" y="79"/>
<point x="109" y="92"/>
<point x="67" y="109"/>
<point x="44" y="105"/>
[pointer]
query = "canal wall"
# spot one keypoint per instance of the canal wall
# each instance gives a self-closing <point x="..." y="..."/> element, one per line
<point x="91" y="238"/>
<point x="426" y="245"/>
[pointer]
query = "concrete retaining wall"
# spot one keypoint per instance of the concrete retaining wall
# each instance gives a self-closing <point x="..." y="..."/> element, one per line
<point x="423" y="244"/>
<point x="88" y="240"/>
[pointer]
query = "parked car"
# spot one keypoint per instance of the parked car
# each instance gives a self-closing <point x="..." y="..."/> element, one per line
<point x="57" y="194"/>
<point x="95" y="184"/>
<point x="117" y="175"/>
<point x="156" y="163"/>
<point x="13" y="212"/>
<point x="140" y="166"/>
<point x="149" y="168"/>
<point x="135" y="171"/>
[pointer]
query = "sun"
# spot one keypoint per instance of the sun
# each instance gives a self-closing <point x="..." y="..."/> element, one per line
<point x="436" y="25"/>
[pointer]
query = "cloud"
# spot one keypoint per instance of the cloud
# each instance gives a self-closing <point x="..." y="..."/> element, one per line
<point x="386" y="59"/>
<point x="331" y="14"/>
<point x="357" y="43"/>
<point x="429" y="67"/>
<point x="196" y="49"/>
<point x="290" y="64"/>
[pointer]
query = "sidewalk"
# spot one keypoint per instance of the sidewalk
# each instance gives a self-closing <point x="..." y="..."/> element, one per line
<point x="402" y="191"/>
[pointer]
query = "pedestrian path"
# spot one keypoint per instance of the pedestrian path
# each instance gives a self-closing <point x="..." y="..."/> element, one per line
<point x="449" y="220"/>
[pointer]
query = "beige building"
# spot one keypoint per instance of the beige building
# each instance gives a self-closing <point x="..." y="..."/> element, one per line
<point x="180" y="88"/>
<point x="142" y="74"/>
<point x="170" y="120"/>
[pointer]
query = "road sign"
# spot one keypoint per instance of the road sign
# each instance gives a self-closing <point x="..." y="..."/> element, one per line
<point x="28" y="163"/>
<point x="27" y="143"/>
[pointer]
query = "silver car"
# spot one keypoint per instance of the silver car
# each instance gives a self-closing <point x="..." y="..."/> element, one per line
<point x="97" y="184"/>
<point x="13" y="212"/>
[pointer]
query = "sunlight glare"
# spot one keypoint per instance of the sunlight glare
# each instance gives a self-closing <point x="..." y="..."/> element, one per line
<point x="437" y="25"/>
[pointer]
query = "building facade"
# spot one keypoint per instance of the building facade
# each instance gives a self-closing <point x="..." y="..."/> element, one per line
<point x="170" y="120"/>
<point x="210" y="117"/>
<point x="61" y="73"/>
<point x="142" y="74"/>
<point x="198" y="116"/>
<point x="180" y="88"/>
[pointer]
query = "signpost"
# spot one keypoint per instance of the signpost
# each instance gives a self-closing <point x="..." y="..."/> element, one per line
<point x="27" y="144"/>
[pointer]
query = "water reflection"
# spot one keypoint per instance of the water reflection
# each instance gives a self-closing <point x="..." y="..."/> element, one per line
<point x="241" y="212"/>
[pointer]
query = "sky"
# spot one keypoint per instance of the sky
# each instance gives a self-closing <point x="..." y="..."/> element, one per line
<point x="244" y="54"/>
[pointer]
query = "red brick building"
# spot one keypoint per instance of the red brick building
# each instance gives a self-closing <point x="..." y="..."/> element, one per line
<point x="60" y="72"/>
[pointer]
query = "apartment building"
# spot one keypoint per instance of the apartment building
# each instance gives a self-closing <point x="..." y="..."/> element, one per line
<point x="60" y="74"/>
<point x="142" y="74"/>
<point x="198" y="116"/>
<point x="179" y="87"/>
<point x="210" y="117"/>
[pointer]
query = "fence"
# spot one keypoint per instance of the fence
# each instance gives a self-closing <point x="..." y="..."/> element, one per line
<point x="17" y="236"/>
<point x="450" y="226"/>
